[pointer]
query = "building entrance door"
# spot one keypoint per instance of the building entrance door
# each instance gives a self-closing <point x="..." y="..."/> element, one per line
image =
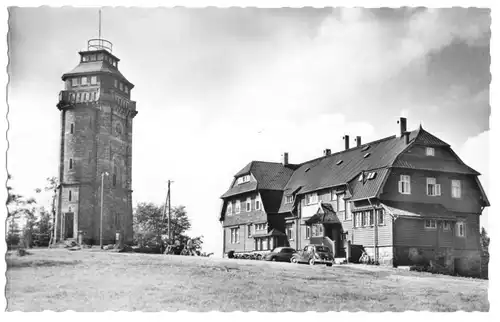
<point x="68" y="225"/>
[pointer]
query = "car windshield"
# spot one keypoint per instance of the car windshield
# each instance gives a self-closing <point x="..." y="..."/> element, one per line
<point x="277" y="250"/>
<point x="322" y="249"/>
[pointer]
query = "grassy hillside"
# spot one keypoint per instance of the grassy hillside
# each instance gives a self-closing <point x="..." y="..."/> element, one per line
<point x="97" y="281"/>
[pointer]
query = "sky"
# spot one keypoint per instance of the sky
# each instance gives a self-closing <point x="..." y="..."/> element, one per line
<point x="218" y="88"/>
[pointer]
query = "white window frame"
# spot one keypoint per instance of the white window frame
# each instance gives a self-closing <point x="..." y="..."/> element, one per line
<point x="446" y="225"/>
<point x="457" y="226"/>
<point x="289" y="199"/>
<point x="308" y="232"/>
<point x="404" y="184"/>
<point x="115" y="83"/>
<point x="74" y="82"/>
<point x="83" y="80"/>
<point x="432" y="224"/>
<point x="249" y="231"/>
<point x="126" y="89"/>
<point x="433" y="188"/>
<point x="235" y="235"/>
<point x="237" y="209"/>
<point x="257" y="203"/>
<point x="93" y="80"/>
<point x="248" y="205"/>
<point x="311" y="198"/>
<point x="229" y="210"/>
<point x="340" y="201"/>
<point x="381" y="217"/>
<point x="456" y="189"/>
<point x="289" y="231"/>
<point x="430" y="151"/>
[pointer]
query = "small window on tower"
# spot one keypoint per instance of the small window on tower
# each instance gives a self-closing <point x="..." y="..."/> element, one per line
<point x="71" y="163"/>
<point x="69" y="195"/>
<point x="72" y="128"/>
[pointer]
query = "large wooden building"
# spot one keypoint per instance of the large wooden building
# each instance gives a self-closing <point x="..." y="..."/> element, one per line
<point x="401" y="199"/>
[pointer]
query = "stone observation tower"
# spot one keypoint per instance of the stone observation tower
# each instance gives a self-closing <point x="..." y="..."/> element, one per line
<point x="96" y="149"/>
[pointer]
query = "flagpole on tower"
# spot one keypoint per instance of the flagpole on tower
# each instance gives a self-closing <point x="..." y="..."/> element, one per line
<point x="99" y="24"/>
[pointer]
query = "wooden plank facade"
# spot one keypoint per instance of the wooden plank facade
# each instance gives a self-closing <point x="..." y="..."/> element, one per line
<point x="401" y="199"/>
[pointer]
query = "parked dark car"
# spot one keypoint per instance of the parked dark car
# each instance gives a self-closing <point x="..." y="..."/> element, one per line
<point x="314" y="254"/>
<point x="280" y="254"/>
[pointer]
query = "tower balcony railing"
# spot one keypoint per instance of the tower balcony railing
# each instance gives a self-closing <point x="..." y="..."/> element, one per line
<point x="67" y="97"/>
<point x="100" y="44"/>
<point x="70" y="97"/>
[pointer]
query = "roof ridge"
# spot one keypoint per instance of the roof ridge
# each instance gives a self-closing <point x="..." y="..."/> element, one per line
<point x="350" y="149"/>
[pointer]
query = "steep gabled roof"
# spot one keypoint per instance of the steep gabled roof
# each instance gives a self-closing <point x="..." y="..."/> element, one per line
<point x="368" y="188"/>
<point x="425" y="138"/>
<point x="339" y="168"/>
<point x="268" y="176"/>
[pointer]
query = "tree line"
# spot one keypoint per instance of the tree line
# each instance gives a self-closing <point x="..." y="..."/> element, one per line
<point x="149" y="221"/>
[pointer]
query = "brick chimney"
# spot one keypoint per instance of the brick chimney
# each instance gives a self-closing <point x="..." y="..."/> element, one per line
<point x="285" y="158"/>
<point x="327" y="152"/>
<point x="402" y="125"/>
<point x="346" y="141"/>
<point x="358" y="140"/>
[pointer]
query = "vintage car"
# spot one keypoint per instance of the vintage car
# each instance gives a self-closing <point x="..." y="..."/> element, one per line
<point x="280" y="254"/>
<point x="314" y="254"/>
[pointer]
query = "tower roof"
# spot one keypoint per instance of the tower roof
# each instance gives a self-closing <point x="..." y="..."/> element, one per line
<point x="96" y="67"/>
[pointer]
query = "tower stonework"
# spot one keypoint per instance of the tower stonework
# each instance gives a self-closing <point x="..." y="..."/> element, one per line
<point x="96" y="138"/>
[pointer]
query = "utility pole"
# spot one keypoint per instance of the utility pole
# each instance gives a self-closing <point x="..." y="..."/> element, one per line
<point x="169" y="211"/>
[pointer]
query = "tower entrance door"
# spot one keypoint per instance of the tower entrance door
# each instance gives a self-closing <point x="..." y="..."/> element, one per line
<point x="68" y="224"/>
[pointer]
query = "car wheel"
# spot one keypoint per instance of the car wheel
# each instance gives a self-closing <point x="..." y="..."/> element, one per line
<point x="329" y="265"/>
<point x="273" y="259"/>
<point x="294" y="260"/>
<point x="311" y="261"/>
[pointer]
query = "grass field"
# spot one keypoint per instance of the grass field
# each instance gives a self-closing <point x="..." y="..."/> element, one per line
<point x="60" y="280"/>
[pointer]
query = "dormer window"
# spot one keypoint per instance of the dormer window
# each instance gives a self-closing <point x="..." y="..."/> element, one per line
<point x="93" y="80"/>
<point x="372" y="175"/>
<point x="74" y="82"/>
<point x="429" y="151"/>
<point x="288" y="199"/>
<point x="238" y="207"/>
<point x="367" y="155"/>
<point x="244" y="179"/>
<point x="229" y="208"/>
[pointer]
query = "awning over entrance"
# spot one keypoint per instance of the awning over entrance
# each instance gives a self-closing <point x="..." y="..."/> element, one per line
<point x="325" y="215"/>
<point x="418" y="210"/>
